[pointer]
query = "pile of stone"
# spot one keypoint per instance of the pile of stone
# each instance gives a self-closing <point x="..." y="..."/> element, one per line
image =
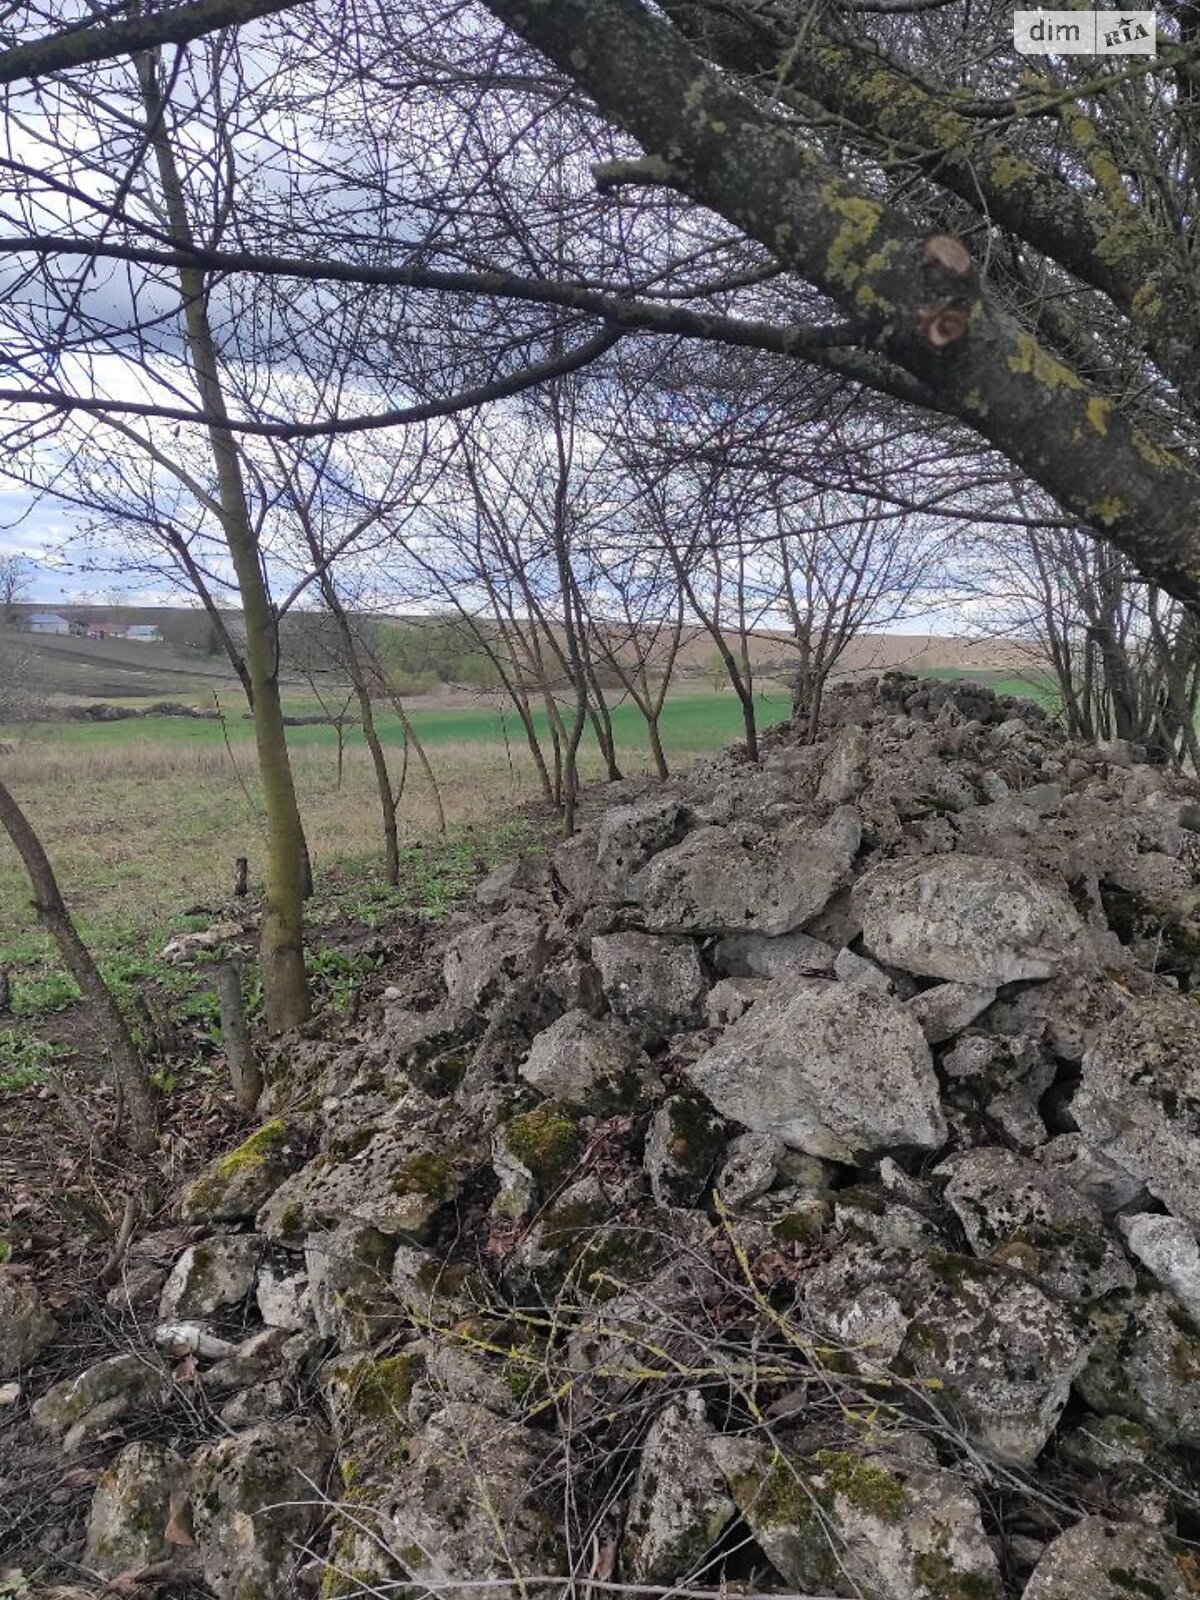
<point x="794" y="1181"/>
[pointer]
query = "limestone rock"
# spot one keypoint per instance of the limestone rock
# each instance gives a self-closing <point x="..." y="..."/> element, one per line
<point x="535" y="1152"/>
<point x="595" y="1065"/>
<point x="845" y="771"/>
<point x="256" y="1498"/>
<point x="125" y="1385"/>
<point x="859" y="1301"/>
<point x="1139" y="1099"/>
<point x="1143" y="1365"/>
<point x="654" y="982"/>
<point x="523" y="882"/>
<point x="946" y="1009"/>
<point x="628" y="836"/>
<point x="1168" y="1248"/>
<point x="283" y="1298"/>
<point x="1003" y="1353"/>
<point x="1113" y="1561"/>
<point x="714" y="883"/>
<point x="463" y="1509"/>
<point x="133" y="1502"/>
<point x="790" y="955"/>
<point x="750" y="1168"/>
<point x="852" y="968"/>
<point x="845" y="1521"/>
<point x="967" y="919"/>
<point x="234" y="1187"/>
<point x="680" y="1504"/>
<point x="1071" y="1009"/>
<point x="432" y="1291"/>
<point x="731" y="998"/>
<point x="683" y="1146"/>
<point x="429" y="1048"/>
<point x="1102" y="1180"/>
<point x="210" y="1276"/>
<point x="26" y="1327"/>
<point x="397" y="1182"/>
<point x="1019" y="1213"/>
<point x="349" y="1277"/>
<point x="831" y="1069"/>
<point x="481" y="961"/>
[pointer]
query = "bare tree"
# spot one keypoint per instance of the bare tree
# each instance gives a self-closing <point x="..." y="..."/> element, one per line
<point x="16" y="580"/>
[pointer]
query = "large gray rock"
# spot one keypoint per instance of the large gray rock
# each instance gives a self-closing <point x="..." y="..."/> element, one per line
<point x="714" y="883"/>
<point x="1169" y="1249"/>
<point x="594" y="1065"/>
<point x="1113" y="1561"/>
<point x="1019" y="1213"/>
<point x="655" y="983"/>
<point x="967" y="919"/>
<point x="680" y="1504"/>
<point x="483" y="960"/>
<point x="256" y="1498"/>
<point x="849" y="1522"/>
<point x="791" y="955"/>
<point x="120" y="1386"/>
<point x="397" y="1182"/>
<point x="234" y="1187"/>
<point x="1002" y="1353"/>
<point x="350" y="1284"/>
<point x="1144" y="1365"/>
<point x="830" y="1069"/>
<point x="132" y="1505"/>
<point x="26" y="1327"/>
<point x="463" y="1508"/>
<point x="1139" y="1098"/>
<point x="210" y="1276"/>
<point x="1104" y="1181"/>
<point x="628" y="836"/>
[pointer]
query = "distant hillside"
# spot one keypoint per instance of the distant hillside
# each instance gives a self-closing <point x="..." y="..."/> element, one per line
<point x="426" y="654"/>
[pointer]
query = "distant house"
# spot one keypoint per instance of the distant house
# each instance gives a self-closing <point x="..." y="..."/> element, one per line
<point x="145" y="632"/>
<point x="46" y="622"/>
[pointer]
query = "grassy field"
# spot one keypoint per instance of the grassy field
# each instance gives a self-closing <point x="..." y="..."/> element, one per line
<point x="143" y="818"/>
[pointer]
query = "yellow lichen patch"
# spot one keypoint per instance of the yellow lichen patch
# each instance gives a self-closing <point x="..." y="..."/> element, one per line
<point x="1006" y="171"/>
<point x="1098" y="412"/>
<point x="694" y="94"/>
<point x="1109" y="510"/>
<point x="1032" y="361"/>
<point x="1104" y="170"/>
<point x="1121" y="241"/>
<point x="1152" y="454"/>
<point x="848" y="257"/>
<point x="1148" y="301"/>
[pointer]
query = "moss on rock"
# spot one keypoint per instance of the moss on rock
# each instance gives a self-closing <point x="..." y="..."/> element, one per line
<point x="546" y="1141"/>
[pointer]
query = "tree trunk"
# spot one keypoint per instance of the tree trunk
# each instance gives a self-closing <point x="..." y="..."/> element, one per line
<point x="656" y="747"/>
<point x="133" y="1081"/>
<point x="286" y="997"/>
<point x="244" y="1073"/>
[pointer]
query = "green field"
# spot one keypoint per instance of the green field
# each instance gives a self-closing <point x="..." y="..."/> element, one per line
<point x="143" y="817"/>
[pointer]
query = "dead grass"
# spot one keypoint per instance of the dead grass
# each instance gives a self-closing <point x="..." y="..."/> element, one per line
<point x="140" y="833"/>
